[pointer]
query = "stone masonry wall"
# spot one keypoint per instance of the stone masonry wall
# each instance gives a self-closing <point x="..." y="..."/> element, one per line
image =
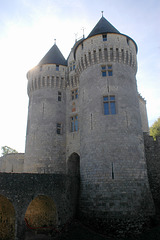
<point x="21" y="189"/>
<point x="112" y="163"/>
<point x="143" y="113"/>
<point x="13" y="162"/>
<point x="152" y="152"/>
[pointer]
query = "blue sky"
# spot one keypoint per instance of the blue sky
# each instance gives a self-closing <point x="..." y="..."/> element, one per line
<point x="28" y="29"/>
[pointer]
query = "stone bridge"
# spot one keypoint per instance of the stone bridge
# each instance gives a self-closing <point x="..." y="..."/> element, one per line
<point x="44" y="200"/>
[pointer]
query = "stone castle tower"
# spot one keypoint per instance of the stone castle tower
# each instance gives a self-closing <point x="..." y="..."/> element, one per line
<point x="86" y="117"/>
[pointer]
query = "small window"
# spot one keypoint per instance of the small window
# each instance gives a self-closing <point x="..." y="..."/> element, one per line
<point x="104" y="36"/>
<point x="109" y="67"/>
<point x="104" y="74"/>
<point x="59" y="128"/>
<point x="109" y="105"/>
<point x="82" y="46"/>
<point x="59" y="96"/>
<point x="40" y="68"/>
<point x="70" y="68"/>
<point x="57" y="67"/>
<point x="74" y="94"/>
<point x="74" y="123"/>
<point x="103" y="69"/>
<point x="109" y="70"/>
<point x="128" y="41"/>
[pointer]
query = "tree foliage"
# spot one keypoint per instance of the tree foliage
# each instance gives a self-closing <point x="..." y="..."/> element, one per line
<point x="7" y="150"/>
<point x="155" y="129"/>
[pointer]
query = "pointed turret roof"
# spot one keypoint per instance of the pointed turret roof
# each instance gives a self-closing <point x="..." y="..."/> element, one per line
<point x="53" y="56"/>
<point x="103" y="26"/>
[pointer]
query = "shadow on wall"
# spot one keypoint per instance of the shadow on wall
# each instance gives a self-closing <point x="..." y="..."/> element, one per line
<point x="7" y="219"/>
<point x="73" y="165"/>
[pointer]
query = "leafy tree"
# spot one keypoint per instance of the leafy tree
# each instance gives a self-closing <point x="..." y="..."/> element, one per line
<point x="7" y="150"/>
<point x="155" y="129"/>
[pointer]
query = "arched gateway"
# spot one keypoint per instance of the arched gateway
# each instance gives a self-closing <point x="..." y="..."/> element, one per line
<point x="73" y="164"/>
<point x="41" y="214"/>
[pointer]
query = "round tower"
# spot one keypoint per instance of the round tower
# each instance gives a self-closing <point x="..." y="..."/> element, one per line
<point x="114" y="181"/>
<point x="45" y="138"/>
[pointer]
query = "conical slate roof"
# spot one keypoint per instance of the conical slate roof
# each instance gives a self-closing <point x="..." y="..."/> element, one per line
<point x="103" y="26"/>
<point x="53" y="56"/>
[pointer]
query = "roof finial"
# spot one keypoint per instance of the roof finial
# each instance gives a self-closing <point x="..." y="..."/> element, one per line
<point x="55" y="41"/>
<point x="76" y="37"/>
<point x="102" y="13"/>
<point x="83" y="31"/>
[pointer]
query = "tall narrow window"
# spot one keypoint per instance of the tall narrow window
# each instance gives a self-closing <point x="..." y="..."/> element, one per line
<point x="82" y="46"/>
<point x="70" y="68"/>
<point x="74" y="123"/>
<point x="103" y="69"/>
<point x="59" y="96"/>
<point x="109" y="70"/>
<point x="59" y="128"/>
<point x="109" y="105"/>
<point x="57" y="67"/>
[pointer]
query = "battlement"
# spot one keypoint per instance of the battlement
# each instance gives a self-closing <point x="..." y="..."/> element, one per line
<point x="94" y="50"/>
<point x="48" y="75"/>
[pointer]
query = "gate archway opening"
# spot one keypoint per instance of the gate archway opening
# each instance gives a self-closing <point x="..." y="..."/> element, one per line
<point x="7" y="219"/>
<point x="73" y="165"/>
<point x="41" y="214"/>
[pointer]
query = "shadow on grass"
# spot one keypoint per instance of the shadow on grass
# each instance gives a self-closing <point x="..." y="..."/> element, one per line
<point x="78" y="231"/>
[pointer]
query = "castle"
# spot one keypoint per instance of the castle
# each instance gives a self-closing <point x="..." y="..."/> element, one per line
<point x="86" y="121"/>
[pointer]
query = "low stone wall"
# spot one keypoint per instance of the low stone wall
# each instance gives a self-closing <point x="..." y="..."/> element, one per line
<point x="12" y="162"/>
<point x="21" y="189"/>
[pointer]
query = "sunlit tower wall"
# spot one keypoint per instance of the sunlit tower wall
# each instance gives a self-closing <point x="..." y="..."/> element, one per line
<point x="45" y="137"/>
<point x="114" y="181"/>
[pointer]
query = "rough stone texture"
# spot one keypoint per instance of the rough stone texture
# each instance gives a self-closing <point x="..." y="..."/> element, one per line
<point x="111" y="144"/>
<point x="13" y="162"/>
<point x="114" y="184"/>
<point x="143" y="113"/>
<point x="152" y="151"/>
<point x="21" y="189"/>
<point x="45" y="149"/>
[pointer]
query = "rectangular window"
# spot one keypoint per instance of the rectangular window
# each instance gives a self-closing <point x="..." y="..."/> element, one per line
<point x="109" y="70"/>
<point x="104" y="37"/>
<point x="59" y="96"/>
<point x="109" y="73"/>
<point x="109" y="105"/>
<point x="103" y="69"/>
<point x="57" y="67"/>
<point x="74" y="94"/>
<point x="74" y="123"/>
<point x="59" y="128"/>
<point x="70" y="68"/>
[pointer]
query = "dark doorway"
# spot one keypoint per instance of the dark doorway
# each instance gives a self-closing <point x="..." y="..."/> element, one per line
<point x="73" y="165"/>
